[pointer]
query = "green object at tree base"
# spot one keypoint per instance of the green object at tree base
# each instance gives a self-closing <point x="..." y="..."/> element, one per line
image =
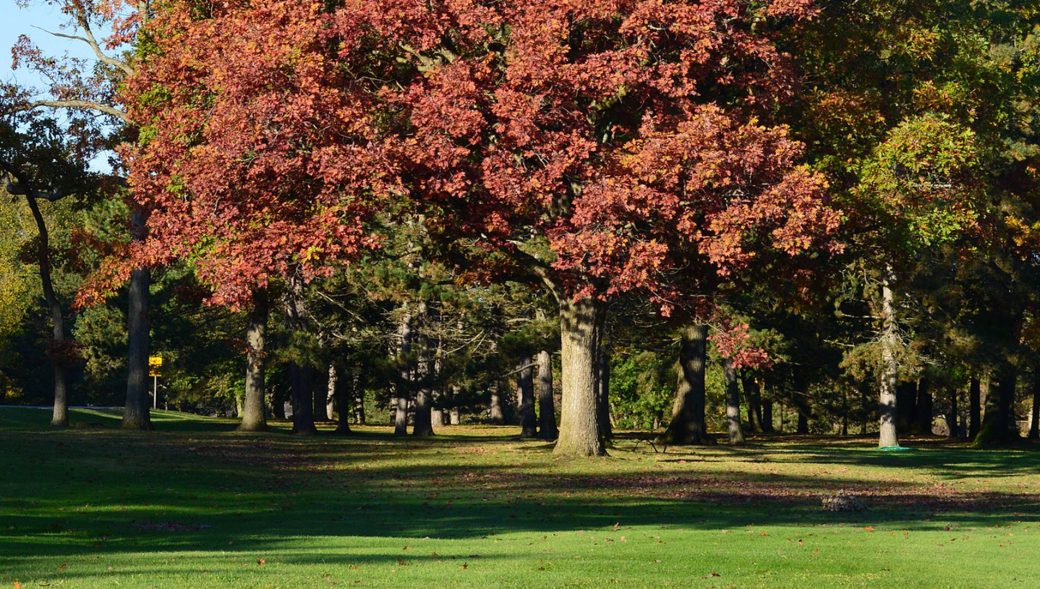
<point x="895" y="449"/>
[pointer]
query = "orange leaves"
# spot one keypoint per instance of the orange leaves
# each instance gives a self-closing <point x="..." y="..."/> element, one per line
<point x="277" y="128"/>
<point x="265" y="155"/>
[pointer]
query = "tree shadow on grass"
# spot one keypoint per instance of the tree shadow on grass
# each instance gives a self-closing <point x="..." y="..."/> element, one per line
<point x="83" y="493"/>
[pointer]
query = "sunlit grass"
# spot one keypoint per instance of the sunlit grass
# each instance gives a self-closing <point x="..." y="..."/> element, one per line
<point x="195" y="504"/>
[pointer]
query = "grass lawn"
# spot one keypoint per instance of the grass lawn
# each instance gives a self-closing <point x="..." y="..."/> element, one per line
<point x="195" y="504"/>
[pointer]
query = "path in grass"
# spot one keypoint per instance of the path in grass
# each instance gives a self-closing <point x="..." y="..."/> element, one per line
<point x="197" y="505"/>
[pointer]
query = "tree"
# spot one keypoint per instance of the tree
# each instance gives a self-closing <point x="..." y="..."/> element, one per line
<point x="78" y="86"/>
<point x="258" y="163"/>
<point x="911" y="116"/>
<point x="596" y="147"/>
<point x="39" y="163"/>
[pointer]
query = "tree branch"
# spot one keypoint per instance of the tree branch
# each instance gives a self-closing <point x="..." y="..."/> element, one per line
<point x="22" y="186"/>
<point x="81" y="105"/>
<point x="88" y="38"/>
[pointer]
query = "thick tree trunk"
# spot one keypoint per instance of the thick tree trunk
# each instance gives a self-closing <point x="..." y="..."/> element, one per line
<point x="137" y="409"/>
<point x="525" y="385"/>
<point x="688" y="425"/>
<point x="400" y="416"/>
<point x="1034" y="416"/>
<point x="422" y="422"/>
<point x="579" y="426"/>
<point x="253" y="418"/>
<point x="496" y="408"/>
<point x="998" y="426"/>
<point x="606" y="428"/>
<point x="803" y="420"/>
<point x="974" y="407"/>
<point x="888" y="413"/>
<point x="546" y="409"/>
<point x="733" y="426"/>
<point x="59" y="348"/>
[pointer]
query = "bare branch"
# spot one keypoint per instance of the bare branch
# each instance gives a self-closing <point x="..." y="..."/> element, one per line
<point x="88" y="38"/>
<point x="81" y="105"/>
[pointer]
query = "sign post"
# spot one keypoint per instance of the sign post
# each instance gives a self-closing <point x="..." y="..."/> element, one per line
<point x="154" y="365"/>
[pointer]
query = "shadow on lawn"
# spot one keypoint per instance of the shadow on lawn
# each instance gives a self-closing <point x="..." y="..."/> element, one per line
<point x="91" y="492"/>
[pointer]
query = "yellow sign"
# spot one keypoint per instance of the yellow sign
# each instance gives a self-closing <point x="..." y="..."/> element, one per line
<point x="154" y="364"/>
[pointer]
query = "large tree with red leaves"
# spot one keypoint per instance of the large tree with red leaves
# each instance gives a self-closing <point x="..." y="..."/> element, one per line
<point x="600" y="146"/>
<point x="610" y="147"/>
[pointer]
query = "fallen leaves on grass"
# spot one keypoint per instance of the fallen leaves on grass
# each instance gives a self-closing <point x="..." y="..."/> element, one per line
<point x="170" y="526"/>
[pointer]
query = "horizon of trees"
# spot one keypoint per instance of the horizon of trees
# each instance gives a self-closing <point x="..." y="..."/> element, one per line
<point x="574" y="217"/>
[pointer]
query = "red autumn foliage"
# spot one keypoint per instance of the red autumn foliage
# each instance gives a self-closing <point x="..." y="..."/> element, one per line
<point x="624" y="135"/>
<point x="620" y="140"/>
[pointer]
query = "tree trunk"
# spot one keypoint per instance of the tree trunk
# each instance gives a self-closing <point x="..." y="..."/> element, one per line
<point x="358" y="396"/>
<point x="733" y="426"/>
<point x="422" y="423"/>
<point x="404" y="383"/>
<point x="137" y="410"/>
<point x="888" y="437"/>
<point x="974" y="407"/>
<point x="844" y="411"/>
<point x="546" y="409"/>
<point x="59" y="347"/>
<point x="767" y="417"/>
<point x="253" y="418"/>
<point x="998" y="426"/>
<point x="953" y="416"/>
<point x="753" y="394"/>
<point x="343" y="387"/>
<point x="321" y="396"/>
<point x="400" y="416"/>
<point x="278" y="402"/>
<point x="688" y="425"/>
<point x="906" y="399"/>
<point x="496" y="413"/>
<point x="1034" y="416"/>
<point x="301" y="376"/>
<point x="330" y="396"/>
<point x="923" y="408"/>
<point x="302" y="383"/>
<point x="864" y="403"/>
<point x="603" y="394"/>
<point x="579" y="427"/>
<point x="525" y="384"/>
<point x="803" y="419"/>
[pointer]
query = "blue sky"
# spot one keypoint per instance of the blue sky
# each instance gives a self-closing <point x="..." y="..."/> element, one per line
<point x="15" y="21"/>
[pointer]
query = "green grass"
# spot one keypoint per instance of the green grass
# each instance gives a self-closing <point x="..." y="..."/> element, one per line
<point x="196" y="505"/>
